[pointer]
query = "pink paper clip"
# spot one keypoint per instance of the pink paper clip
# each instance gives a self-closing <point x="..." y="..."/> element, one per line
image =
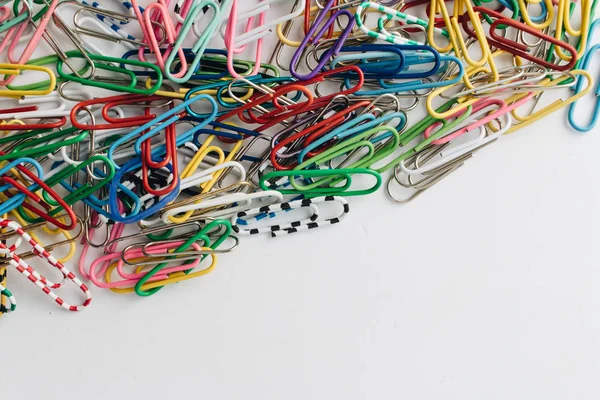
<point x="265" y="27"/>
<point x="478" y="106"/>
<point x="14" y="34"/>
<point x="116" y="231"/>
<point x="40" y="29"/>
<point x="100" y="265"/>
<point x="4" y="13"/>
<point x="230" y="38"/>
<point x="159" y="11"/>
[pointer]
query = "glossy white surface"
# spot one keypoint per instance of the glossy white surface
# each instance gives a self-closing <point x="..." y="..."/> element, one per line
<point x="485" y="287"/>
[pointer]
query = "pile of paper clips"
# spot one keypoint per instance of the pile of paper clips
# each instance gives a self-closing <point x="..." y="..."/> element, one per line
<point x="132" y="140"/>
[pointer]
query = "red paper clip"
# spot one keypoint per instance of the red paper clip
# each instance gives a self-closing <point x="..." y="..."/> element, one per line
<point x="518" y="49"/>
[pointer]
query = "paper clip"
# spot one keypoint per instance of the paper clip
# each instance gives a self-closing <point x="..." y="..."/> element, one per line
<point x="391" y="14"/>
<point x="154" y="126"/>
<point x="585" y="64"/>
<point x="549" y="8"/>
<point x="499" y="41"/>
<point x="18" y="19"/>
<point x="112" y="103"/>
<point x="104" y="15"/>
<point x="131" y="87"/>
<point x="8" y="303"/>
<point x="147" y="290"/>
<point x="207" y="207"/>
<point x="458" y="44"/>
<point x="452" y="154"/>
<point x="309" y="192"/>
<point x="556" y="105"/>
<point x="253" y="35"/>
<point x="30" y="273"/>
<point x="147" y="20"/>
<point x="563" y="24"/>
<point x="315" y="33"/>
<point x="199" y="46"/>
<point x="40" y="29"/>
<point x="14" y="70"/>
<point x="241" y="222"/>
<point x="97" y="269"/>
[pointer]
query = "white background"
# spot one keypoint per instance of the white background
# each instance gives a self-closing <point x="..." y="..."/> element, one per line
<point x="485" y="287"/>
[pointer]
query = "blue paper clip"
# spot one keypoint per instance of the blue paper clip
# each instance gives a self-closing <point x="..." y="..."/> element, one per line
<point x="585" y="63"/>
<point x="355" y="127"/>
<point x="535" y="18"/>
<point x="414" y="85"/>
<point x="163" y="121"/>
<point x="408" y="55"/>
<point x="389" y="58"/>
<point x="97" y="204"/>
<point x="18" y="199"/>
<point x="235" y="132"/>
<point x="135" y="164"/>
